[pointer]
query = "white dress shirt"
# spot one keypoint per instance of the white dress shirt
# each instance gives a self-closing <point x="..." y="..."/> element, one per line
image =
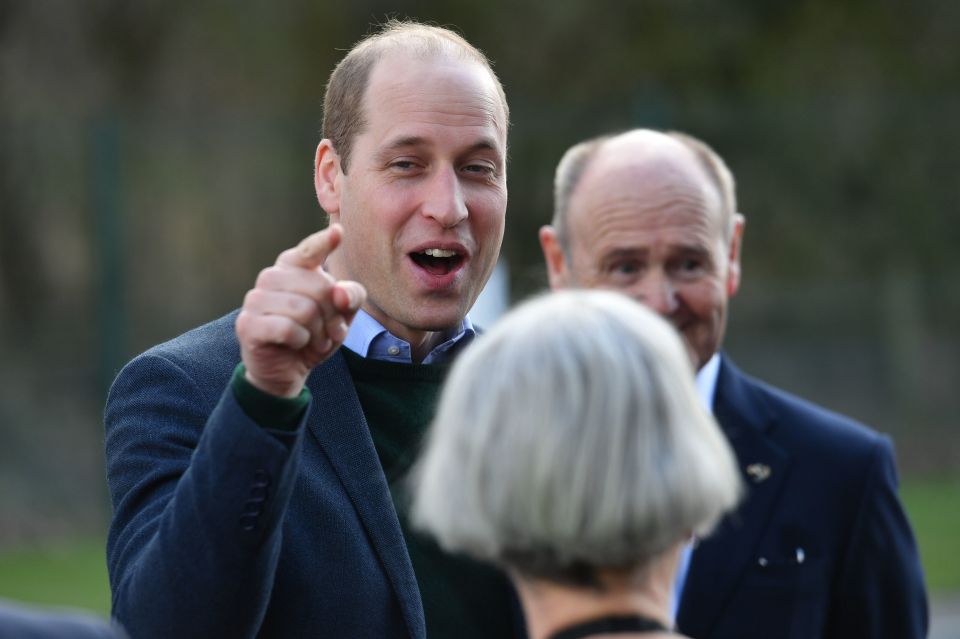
<point x="706" y="389"/>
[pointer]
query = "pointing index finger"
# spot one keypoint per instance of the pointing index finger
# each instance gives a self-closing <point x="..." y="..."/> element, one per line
<point x="314" y="249"/>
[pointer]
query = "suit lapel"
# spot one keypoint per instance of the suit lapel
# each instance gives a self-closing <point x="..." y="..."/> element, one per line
<point x="720" y="560"/>
<point x="336" y="420"/>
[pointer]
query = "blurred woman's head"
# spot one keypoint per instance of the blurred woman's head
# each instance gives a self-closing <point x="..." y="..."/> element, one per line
<point x="569" y="440"/>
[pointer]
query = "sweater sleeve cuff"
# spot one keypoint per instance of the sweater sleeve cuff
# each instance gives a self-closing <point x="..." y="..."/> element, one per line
<point x="269" y="411"/>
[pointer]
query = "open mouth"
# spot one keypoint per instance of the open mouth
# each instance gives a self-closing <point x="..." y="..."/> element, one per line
<point x="437" y="261"/>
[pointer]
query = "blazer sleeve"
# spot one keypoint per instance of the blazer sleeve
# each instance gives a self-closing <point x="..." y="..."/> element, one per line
<point x="880" y="591"/>
<point x="198" y="493"/>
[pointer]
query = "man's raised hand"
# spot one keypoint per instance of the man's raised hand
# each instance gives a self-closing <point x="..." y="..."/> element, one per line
<point x="296" y="315"/>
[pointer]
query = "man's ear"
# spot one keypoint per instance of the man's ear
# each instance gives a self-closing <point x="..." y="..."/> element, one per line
<point x="558" y="273"/>
<point x="733" y="254"/>
<point x="327" y="178"/>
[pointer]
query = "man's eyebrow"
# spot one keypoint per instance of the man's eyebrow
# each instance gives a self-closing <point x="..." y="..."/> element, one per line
<point x="484" y="144"/>
<point x="620" y="253"/>
<point x="404" y="142"/>
<point x="693" y="249"/>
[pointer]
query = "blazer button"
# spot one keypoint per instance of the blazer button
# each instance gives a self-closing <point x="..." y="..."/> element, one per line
<point x="259" y="486"/>
<point x="248" y="522"/>
<point x="261" y="479"/>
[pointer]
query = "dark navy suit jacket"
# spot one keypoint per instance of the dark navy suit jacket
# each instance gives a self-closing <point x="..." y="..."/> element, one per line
<point x="821" y="546"/>
<point x="222" y="528"/>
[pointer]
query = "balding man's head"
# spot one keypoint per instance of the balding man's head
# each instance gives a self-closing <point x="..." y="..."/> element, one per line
<point x="654" y="215"/>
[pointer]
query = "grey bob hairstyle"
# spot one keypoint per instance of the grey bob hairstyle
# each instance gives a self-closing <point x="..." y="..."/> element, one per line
<point x="570" y="438"/>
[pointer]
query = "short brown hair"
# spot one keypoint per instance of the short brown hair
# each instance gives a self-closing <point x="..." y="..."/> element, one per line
<point x="572" y="166"/>
<point x="343" y="109"/>
<point x="718" y="171"/>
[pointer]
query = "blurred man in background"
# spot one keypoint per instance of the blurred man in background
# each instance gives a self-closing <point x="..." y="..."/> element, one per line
<point x="821" y="547"/>
<point x="255" y="463"/>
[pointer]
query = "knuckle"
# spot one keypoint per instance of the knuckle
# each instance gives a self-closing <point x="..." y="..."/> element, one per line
<point x="280" y="330"/>
<point x="320" y="289"/>
<point x="252" y="329"/>
<point x="293" y="334"/>
<point x="266" y="277"/>
<point x="252" y="299"/>
<point x="301" y="307"/>
<point x="288" y="255"/>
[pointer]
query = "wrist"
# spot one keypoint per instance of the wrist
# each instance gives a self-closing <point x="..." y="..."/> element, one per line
<point x="285" y="391"/>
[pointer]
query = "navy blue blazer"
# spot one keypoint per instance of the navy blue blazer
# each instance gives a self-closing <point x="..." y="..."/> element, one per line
<point x="821" y="546"/>
<point x="222" y="528"/>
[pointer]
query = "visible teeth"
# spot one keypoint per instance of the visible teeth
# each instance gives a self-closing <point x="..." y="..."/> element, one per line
<point x="438" y="252"/>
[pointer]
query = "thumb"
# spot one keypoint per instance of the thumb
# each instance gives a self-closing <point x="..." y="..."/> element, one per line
<point x="348" y="297"/>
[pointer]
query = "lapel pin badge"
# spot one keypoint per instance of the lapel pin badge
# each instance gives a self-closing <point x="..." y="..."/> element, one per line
<point x="758" y="472"/>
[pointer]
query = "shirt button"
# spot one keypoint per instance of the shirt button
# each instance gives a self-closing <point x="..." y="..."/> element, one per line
<point x="394" y="350"/>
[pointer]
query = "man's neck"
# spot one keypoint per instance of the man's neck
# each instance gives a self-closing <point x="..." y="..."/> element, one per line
<point x="421" y="341"/>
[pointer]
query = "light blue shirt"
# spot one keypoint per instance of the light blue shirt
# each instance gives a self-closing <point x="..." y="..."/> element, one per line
<point x="368" y="338"/>
<point x="706" y="389"/>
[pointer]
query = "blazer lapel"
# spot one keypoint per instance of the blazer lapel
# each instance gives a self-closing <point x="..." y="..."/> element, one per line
<point x="719" y="561"/>
<point x="336" y="420"/>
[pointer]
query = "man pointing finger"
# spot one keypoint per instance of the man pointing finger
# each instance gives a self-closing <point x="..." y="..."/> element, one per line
<point x="255" y="464"/>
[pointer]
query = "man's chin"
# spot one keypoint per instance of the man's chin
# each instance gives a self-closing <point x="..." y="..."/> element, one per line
<point x="698" y="353"/>
<point x="436" y="317"/>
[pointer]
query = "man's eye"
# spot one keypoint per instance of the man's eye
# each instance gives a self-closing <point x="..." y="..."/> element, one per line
<point x="691" y="267"/>
<point x="626" y="268"/>
<point x="403" y="165"/>
<point x="479" y="169"/>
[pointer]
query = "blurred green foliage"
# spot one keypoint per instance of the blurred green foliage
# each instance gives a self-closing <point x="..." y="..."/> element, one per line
<point x="933" y="506"/>
<point x="72" y="574"/>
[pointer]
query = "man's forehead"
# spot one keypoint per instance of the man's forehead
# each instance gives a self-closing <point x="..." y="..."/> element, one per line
<point x="645" y="174"/>
<point x="646" y="156"/>
<point x="444" y="89"/>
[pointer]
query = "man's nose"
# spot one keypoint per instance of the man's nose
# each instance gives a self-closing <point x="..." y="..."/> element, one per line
<point x="657" y="291"/>
<point x="444" y="199"/>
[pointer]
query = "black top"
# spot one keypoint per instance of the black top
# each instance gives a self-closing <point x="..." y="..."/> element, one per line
<point x="609" y="625"/>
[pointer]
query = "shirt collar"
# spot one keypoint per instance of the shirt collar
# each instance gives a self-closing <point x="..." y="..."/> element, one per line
<point x="368" y="338"/>
<point x="707" y="381"/>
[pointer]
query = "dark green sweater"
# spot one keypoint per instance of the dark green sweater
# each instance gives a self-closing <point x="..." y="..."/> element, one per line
<point x="462" y="599"/>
